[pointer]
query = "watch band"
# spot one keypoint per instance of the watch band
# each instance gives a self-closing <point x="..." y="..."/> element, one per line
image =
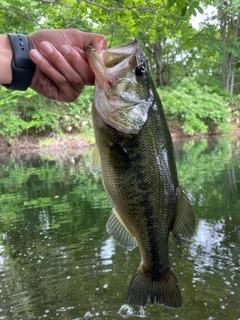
<point x="23" y="67"/>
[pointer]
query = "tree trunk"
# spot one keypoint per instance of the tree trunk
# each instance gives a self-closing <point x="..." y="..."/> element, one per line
<point x="228" y="16"/>
<point x="158" y="61"/>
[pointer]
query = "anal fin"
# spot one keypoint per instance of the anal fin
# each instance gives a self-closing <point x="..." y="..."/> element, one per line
<point x="117" y="229"/>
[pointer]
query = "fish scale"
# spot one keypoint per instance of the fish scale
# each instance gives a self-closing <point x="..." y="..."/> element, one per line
<point x="135" y="155"/>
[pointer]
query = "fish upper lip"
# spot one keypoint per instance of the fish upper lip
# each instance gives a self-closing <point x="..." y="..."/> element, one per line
<point x="131" y="41"/>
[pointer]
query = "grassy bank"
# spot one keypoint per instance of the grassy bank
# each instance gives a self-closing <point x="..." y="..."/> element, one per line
<point x="28" y="120"/>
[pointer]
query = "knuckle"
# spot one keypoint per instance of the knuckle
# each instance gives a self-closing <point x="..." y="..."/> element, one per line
<point x="76" y="82"/>
<point x="57" y="59"/>
<point x="63" y="82"/>
<point x="72" y="96"/>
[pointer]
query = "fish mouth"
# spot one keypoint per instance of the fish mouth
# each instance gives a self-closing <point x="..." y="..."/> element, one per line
<point x="120" y="97"/>
<point x="109" y="64"/>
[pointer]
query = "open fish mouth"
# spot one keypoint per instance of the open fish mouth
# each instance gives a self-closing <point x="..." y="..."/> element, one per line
<point x="109" y="65"/>
<point x="121" y="86"/>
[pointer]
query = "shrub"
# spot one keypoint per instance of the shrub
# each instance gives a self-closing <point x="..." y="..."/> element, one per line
<point x="233" y="105"/>
<point x="198" y="107"/>
<point x="29" y="112"/>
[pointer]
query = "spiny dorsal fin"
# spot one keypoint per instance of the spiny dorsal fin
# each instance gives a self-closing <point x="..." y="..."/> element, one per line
<point x="184" y="224"/>
<point x="95" y="162"/>
<point x="117" y="229"/>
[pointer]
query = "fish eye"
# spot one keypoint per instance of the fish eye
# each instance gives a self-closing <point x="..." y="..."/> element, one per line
<point x="140" y="71"/>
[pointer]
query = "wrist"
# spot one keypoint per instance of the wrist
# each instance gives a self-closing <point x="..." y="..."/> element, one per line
<point x="5" y="58"/>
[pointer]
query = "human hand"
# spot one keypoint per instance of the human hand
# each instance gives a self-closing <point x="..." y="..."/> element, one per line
<point x="62" y="67"/>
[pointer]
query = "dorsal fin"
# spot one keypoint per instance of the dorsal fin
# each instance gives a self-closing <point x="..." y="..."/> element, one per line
<point x="184" y="224"/>
<point x="116" y="228"/>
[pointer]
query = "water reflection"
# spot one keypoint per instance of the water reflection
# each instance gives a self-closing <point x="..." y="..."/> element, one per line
<point x="57" y="261"/>
<point x="107" y="252"/>
<point x="207" y="241"/>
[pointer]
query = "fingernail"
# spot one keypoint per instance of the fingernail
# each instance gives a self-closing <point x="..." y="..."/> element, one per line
<point x="35" y="55"/>
<point x="46" y="48"/>
<point x="64" y="50"/>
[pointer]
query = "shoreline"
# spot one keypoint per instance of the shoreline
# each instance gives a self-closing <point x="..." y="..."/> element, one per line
<point x="74" y="144"/>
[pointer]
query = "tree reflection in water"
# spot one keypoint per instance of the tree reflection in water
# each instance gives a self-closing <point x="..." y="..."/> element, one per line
<point x="57" y="260"/>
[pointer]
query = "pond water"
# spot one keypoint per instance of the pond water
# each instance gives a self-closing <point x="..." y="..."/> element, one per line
<point x="58" y="262"/>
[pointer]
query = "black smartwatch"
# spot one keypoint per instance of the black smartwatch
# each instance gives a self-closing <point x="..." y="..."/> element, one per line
<point x="22" y="66"/>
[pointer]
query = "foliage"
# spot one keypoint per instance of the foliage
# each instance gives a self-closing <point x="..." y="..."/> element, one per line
<point x="200" y="109"/>
<point x="186" y="6"/>
<point x="175" y="50"/>
<point x="233" y="105"/>
<point x="76" y="116"/>
<point x="28" y="112"/>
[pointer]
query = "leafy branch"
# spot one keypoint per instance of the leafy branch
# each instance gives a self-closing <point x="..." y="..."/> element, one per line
<point x="21" y="14"/>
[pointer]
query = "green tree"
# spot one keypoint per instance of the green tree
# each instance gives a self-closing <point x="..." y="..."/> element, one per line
<point x="175" y="49"/>
<point x="229" y="18"/>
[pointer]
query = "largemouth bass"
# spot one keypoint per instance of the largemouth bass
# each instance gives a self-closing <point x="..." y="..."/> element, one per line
<point x="135" y="155"/>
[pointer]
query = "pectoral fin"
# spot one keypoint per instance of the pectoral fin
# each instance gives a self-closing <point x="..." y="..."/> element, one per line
<point x="117" y="229"/>
<point x="184" y="224"/>
<point x="95" y="162"/>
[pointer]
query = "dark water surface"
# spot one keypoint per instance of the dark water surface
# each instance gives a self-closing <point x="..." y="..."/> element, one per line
<point x="58" y="262"/>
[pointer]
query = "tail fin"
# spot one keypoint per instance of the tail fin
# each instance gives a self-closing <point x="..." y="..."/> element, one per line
<point x="165" y="290"/>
